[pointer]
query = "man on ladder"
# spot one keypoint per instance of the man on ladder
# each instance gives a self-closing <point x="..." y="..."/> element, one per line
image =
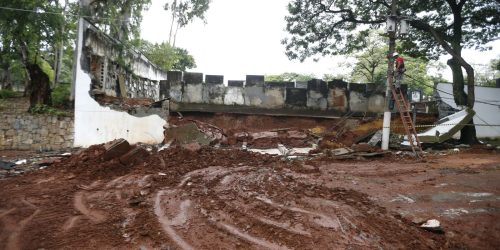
<point x="403" y="106"/>
<point x="399" y="70"/>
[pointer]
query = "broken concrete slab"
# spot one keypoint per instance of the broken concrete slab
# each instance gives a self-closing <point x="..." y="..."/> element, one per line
<point x="342" y="151"/>
<point x="266" y="134"/>
<point x="447" y="127"/>
<point x="186" y="134"/>
<point x="115" y="149"/>
<point x="376" y="138"/>
<point x="134" y="155"/>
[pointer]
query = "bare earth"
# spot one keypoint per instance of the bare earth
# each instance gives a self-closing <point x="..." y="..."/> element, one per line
<point x="232" y="199"/>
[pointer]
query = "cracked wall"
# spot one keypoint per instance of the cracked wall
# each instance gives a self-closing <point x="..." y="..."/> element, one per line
<point x="116" y="95"/>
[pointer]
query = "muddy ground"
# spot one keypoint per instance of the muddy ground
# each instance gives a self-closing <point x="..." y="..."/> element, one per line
<point x="233" y="199"/>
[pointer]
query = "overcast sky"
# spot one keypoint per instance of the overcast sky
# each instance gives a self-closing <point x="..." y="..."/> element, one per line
<point x="244" y="37"/>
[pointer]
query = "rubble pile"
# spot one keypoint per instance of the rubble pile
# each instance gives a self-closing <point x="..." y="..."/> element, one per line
<point x="118" y="195"/>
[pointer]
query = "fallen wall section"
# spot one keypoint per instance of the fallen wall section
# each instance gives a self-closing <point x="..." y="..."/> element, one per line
<point x="95" y="123"/>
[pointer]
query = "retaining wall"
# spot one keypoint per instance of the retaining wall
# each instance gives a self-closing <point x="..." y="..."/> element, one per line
<point x="35" y="132"/>
<point x="335" y="96"/>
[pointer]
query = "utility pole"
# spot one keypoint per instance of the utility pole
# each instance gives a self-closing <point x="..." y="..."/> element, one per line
<point x="392" y="21"/>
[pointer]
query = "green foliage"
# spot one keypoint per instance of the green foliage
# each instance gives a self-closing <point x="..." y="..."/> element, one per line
<point x="340" y="27"/>
<point x="167" y="57"/>
<point x="121" y="19"/>
<point x="45" y="109"/>
<point x="486" y="75"/>
<point x="61" y="95"/>
<point x="289" y="76"/>
<point x="6" y="93"/>
<point x="46" y="68"/>
<point x="185" y="11"/>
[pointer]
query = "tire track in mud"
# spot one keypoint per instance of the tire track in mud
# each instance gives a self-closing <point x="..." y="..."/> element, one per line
<point x="15" y="227"/>
<point x="236" y="201"/>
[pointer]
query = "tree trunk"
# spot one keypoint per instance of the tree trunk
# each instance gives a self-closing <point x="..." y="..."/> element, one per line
<point x="458" y="82"/>
<point x="6" y="80"/>
<point x="40" y="86"/>
<point x="468" y="133"/>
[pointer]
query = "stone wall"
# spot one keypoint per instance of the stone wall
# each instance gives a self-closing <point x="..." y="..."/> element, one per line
<point x="36" y="132"/>
<point x="22" y="130"/>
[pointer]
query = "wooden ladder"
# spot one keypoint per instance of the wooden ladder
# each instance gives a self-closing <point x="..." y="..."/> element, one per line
<point x="404" y="111"/>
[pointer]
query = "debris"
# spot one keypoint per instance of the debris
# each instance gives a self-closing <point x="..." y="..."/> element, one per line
<point x="403" y="198"/>
<point x="20" y="162"/>
<point x="193" y="146"/>
<point x="115" y="149"/>
<point x="341" y="151"/>
<point x="376" y="138"/>
<point x="283" y="150"/>
<point x="6" y="165"/>
<point x="364" y="147"/>
<point x="186" y="134"/>
<point x="266" y="134"/>
<point x="131" y="157"/>
<point x="448" y="126"/>
<point x="432" y="226"/>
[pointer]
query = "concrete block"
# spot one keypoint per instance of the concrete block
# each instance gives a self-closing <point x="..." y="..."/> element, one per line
<point x="133" y="156"/>
<point x="254" y="95"/>
<point x="115" y="149"/>
<point x="358" y="102"/>
<point x="214" y="93"/>
<point x="193" y="93"/>
<point x="174" y="85"/>
<point x="193" y="78"/>
<point x="254" y="80"/>
<point x="376" y="103"/>
<point x="174" y="76"/>
<point x="274" y="98"/>
<point x="235" y="83"/>
<point x="296" y="98"/>
<point x="234" y="96"/>
<point x="337" y="99"/>
<point x="317" y="93"/>
<point x="164" y="89"/>
<point x="214" y="79"/>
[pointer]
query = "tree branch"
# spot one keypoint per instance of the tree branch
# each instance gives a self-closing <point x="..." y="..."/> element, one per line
<point x="468" y="68"/>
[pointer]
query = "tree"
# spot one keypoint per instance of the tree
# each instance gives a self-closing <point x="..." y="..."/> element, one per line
<point x="121" y="19"/>
<point x="167" y="57"/>
<point x="371" y="66"/>
<point x="371" y="61"/>
<point x="487" y="73"/>
<point x="183" y="12"/>
<point x="438" y="26"/>
<point x="28" y="35"/>
<point x="289" y="76"/>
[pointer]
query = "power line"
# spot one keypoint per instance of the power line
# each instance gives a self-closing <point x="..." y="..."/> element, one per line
<point x="435" y="88"/>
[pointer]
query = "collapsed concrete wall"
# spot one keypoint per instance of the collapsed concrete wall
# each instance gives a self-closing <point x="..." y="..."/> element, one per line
<point x="487" y="108"/>
<point x="101" y="71"/>
<point x="316" y="97"/>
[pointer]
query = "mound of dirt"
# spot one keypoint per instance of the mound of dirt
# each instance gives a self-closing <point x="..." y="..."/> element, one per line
<point x="207" y="199"/>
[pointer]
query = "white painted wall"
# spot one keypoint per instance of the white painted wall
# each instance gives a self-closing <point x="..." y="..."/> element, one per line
<point x="95" y="124"/>
<point x="485" y="113"/>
